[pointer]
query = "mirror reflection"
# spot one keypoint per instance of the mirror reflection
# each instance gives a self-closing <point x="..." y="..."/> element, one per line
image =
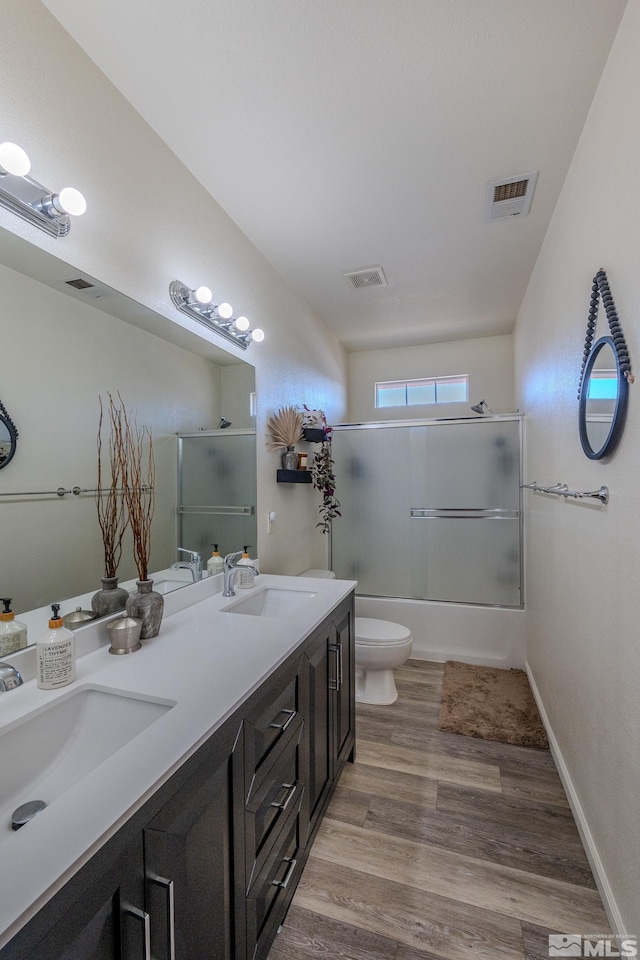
<point x="63" y="348"/>
<point x="602" y="400"/>
<point x="8" y="437"/>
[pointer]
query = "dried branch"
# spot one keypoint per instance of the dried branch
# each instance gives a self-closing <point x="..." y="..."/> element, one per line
<point x="134" y="450"/>
<point x="110" y="502"/>
<point x="285" y="428"/>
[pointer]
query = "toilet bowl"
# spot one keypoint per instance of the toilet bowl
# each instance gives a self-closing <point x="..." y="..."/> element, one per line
<point x="380" y="647"/>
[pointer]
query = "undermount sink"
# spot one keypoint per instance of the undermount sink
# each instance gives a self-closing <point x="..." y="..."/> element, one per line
<point x="269" y="602"/>
<point x="166" y="585"/>
<point x="49" y="751"/>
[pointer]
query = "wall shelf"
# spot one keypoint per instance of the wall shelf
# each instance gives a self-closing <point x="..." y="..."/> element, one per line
<point x="293" y="476"/>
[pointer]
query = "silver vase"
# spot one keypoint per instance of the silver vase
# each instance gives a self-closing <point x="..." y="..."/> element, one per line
<point x="146" y="605"/>
<point x="290" y="459"/>
<point x="110" y="599"/>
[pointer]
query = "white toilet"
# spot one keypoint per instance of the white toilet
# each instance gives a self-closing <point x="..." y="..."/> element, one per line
<point x="380" y="647"/>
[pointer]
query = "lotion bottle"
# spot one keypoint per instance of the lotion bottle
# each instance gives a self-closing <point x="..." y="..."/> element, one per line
<point x="13" y="633"/>
<point x="56" y="654"/>
<point x="215" y="563"/>
<point x="245" y="580"/>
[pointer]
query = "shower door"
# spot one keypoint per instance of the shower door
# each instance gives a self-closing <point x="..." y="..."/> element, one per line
<point x="430" y="510"/>
<point x="217" y="490"/>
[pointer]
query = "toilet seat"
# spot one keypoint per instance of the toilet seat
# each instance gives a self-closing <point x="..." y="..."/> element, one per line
<point x="370" y="632"/>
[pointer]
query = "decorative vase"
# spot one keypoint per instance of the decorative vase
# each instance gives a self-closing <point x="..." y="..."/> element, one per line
<point x="110" y="599"/>
<point x="146" y="605"/>
<point x="290" y="459"/>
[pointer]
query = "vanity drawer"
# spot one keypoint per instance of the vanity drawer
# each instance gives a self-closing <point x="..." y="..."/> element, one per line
<point x="273" y="794"/>
<point x="273" y="888"/>
<point x="272" y="720"/>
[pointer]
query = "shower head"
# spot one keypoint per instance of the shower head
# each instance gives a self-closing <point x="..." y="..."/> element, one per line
<point x="483" y="407"/>
<point x="223" y="423"/>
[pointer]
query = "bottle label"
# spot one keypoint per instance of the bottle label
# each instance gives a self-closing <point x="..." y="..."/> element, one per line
<point x="11" y="642"/>
<point x="56" y="665"/>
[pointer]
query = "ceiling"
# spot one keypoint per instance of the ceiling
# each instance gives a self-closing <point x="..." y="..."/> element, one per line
<point x="345" y="134"/>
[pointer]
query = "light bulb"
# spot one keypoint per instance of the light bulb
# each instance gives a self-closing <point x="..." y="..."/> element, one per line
<point x="71" y="201"/>
<point x="242" y="323"/>
<point x="224" y="310"/>
<point x="257" y="335"/>
<point x="13" y="159"/>
<point x="203" y="295"/>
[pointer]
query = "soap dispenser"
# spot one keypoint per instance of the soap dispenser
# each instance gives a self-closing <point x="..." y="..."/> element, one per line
<point x="215" y="563"/>
<point x="13" y="633"/>
<point x="56" y="654"/>
<point x="246" y="580"/>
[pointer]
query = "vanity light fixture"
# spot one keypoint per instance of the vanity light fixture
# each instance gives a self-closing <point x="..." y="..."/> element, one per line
<point x="197" y="304"/>
<point x="30" y="200"/>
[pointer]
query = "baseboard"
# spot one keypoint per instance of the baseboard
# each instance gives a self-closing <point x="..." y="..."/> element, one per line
<point x="599" y="875"/>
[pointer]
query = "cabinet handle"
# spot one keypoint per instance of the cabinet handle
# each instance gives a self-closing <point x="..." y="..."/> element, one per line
<point x="291" y="787"/>
<point x="335" y="684"/>
<point x="285" y="883"/>
<point x="339" y="645"/>
<point x="169" y="887"/>
<point x="146" y="926"/>
<point x="283" y="726"/>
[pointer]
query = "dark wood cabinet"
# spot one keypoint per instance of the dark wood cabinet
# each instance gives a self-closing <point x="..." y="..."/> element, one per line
<point x="206" y="869"/>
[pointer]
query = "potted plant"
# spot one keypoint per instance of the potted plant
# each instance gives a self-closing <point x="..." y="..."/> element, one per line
<point x="285" y="428"/>
<point x="322" y="469"/>
<point x="112" y="516"/>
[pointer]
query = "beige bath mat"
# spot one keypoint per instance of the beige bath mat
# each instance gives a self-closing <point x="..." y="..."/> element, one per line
<point x="490" y="703"/>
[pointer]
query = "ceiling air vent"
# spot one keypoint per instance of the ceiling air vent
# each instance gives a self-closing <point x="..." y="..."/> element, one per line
<point x="510" y="197"/>
<point x="367" y="277"/>
<point x="89" y="288"/>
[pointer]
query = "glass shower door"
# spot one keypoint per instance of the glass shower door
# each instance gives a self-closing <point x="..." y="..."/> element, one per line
<point x="217" y="491"/>
<point x="430" y="511"/>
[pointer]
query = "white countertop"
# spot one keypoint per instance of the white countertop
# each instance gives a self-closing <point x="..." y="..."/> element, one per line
<point x="207" y="663"/>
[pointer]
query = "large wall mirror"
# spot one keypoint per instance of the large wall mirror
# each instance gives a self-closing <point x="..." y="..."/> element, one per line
<point x="64" y="347"/>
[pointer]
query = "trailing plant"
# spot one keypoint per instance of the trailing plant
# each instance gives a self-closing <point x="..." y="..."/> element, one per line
<point x="110" y="501"/>
<point x="322" y="470"/>
<point x="285" y="428"/>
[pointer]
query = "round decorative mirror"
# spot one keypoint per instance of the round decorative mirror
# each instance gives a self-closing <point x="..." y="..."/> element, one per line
<point x="8" y="437"/>
<point x="603" y="401"/>
<point x="604" y="378"/>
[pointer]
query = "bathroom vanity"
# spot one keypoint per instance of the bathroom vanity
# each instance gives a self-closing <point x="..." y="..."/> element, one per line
<point x="188" y="840"/>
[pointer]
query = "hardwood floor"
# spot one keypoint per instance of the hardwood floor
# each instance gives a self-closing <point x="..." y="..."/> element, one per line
<point x="440" y="847"/>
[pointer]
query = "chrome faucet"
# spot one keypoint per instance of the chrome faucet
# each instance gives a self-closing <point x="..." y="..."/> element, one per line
<point x="9" y="677"/>
<point x="193" y="564"/>
<point x="231" y="567"/>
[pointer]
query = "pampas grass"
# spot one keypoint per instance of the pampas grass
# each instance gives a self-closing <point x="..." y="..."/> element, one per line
<point x="285" y="428"/>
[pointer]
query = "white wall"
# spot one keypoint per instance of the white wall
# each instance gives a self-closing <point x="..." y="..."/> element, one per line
<point x="149" y="222"/>
<point x="583" y="561"/>
<point x="488" y="361"/>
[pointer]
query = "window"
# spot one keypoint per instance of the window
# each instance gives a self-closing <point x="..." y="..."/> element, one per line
<point x="412" y="393"/>
<point x="603" y="385"/>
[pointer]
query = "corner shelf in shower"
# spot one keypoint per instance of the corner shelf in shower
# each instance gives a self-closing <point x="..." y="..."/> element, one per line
<point x="293" y="476"/>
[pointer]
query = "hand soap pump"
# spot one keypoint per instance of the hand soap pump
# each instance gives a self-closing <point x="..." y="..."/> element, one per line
<point x="246" y="580"/>
<point x="215" y="563"/>
<point x="13" y="633"/>
<point x="56" y="654"/>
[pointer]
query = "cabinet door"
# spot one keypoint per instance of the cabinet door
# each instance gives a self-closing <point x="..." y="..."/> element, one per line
<point x="107" y="923"/>
<point x="344" y="700"/>
<point x="318" y="676"/>
<point x="189" y="865"/>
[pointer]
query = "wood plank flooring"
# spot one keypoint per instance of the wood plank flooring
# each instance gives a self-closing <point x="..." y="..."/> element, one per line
<point x="440" y="847"/>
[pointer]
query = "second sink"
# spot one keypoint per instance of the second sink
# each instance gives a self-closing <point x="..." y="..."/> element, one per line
<point x="269" y="602"/>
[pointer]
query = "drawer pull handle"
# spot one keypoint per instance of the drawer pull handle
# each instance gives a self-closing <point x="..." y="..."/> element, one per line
<point x="146" y="926"/>
<point x="283" y="726"/>
<point x="291" y="788"/>
<point x="335" y="684"/>
<point x="168" y="886"/>
<point x="292" y="865"/>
